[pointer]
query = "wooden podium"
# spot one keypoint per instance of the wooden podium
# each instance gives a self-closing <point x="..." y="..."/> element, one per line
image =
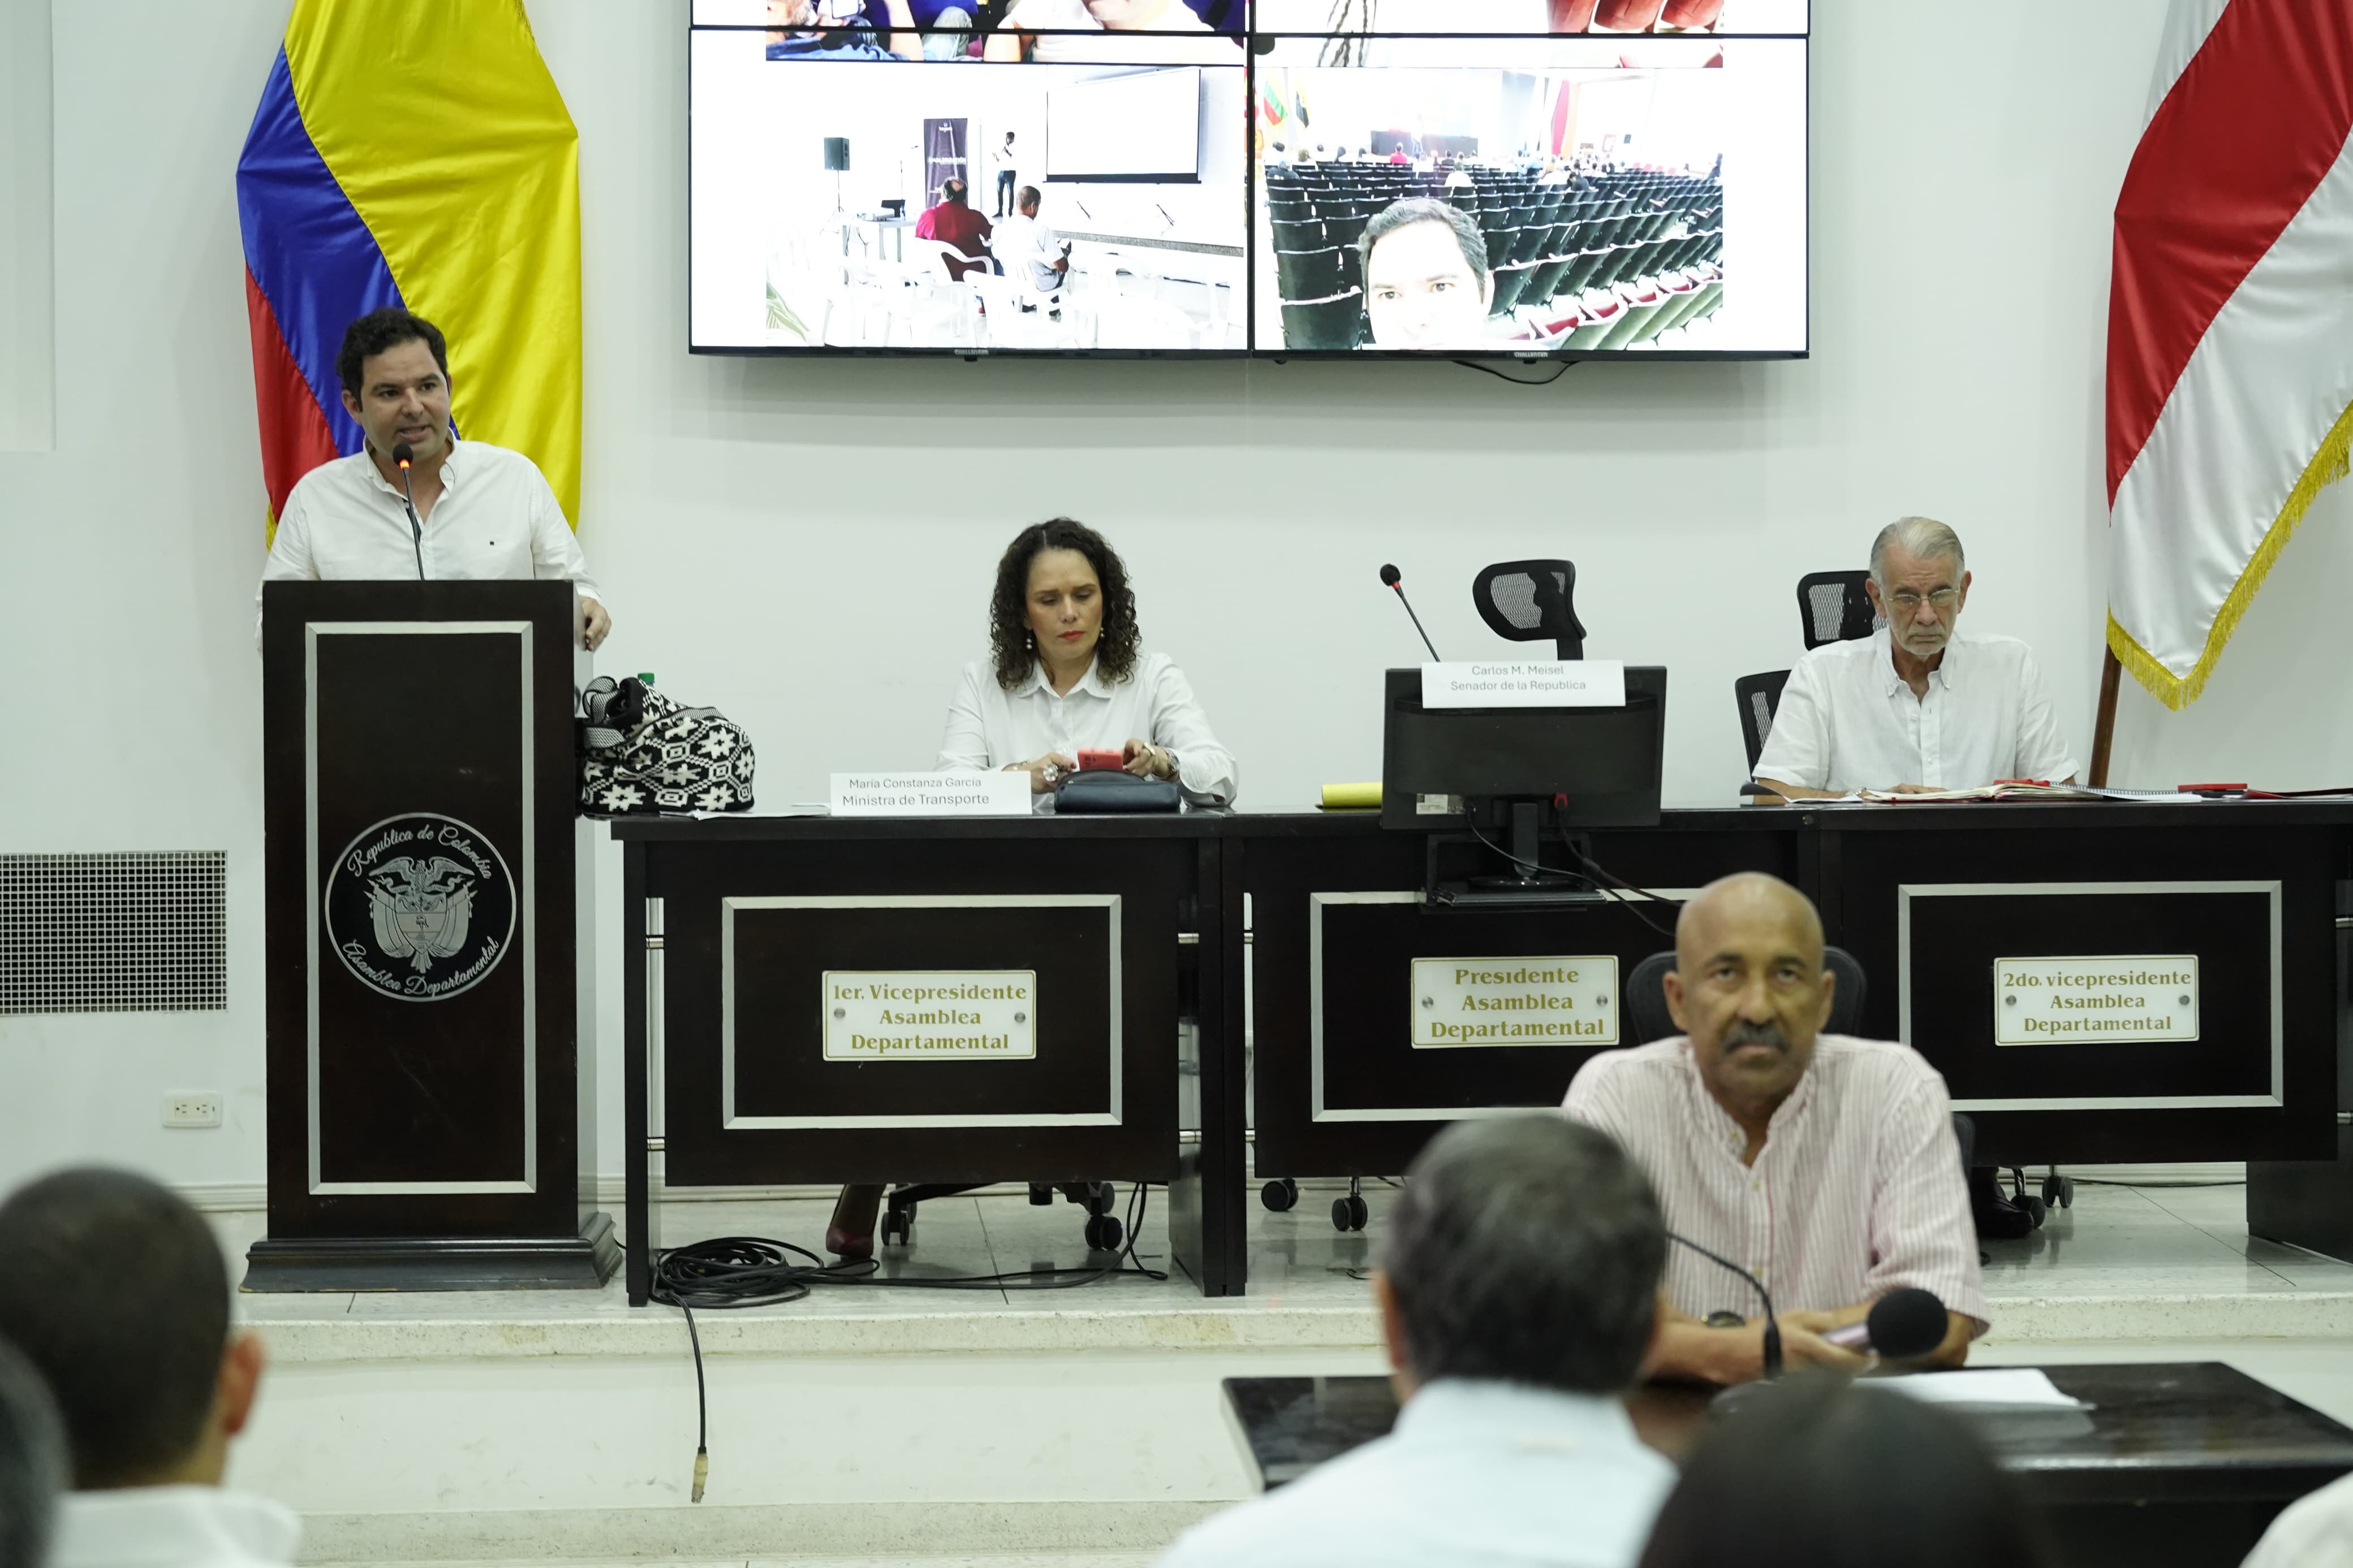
<point x="432" y="1116"/>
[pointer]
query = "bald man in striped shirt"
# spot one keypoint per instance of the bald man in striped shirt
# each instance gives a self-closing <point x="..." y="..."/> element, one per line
<point x="1825" y="1164"/>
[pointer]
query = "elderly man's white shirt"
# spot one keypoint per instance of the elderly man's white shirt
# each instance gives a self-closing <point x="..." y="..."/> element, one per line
<point x="989" y="727"/>
<point x="1848" y="722"/>
<point x="1475" y="1473"/>
<point x="496" y="518"/>
<point x="172" y="1527"/>
<point x="1022" y="241"/>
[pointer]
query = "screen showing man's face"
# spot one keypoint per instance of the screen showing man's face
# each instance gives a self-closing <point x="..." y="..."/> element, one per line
<point x="1420" y="293"/>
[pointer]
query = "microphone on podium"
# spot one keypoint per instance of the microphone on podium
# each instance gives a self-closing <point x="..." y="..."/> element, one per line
<point x="1394" y="579"/>
<point x="403" y="454"/>
<point x="1903" y="1324"/>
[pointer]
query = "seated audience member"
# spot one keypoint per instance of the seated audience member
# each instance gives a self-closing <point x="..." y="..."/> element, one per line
<point x="32" y="1462"/>
<point x="116" y="1292"/>
<point x="1918" y="705"/>
<point x="1029" y="252"/>
<point x="841" y="30"/>
<point x="1427" y="285"/>
<point x="1825" y="1164"/>
<point x="1821" y="1473"/>
<point x="1124" y="30"/>
<point x="1518" y="1292"/>
<point x="957" y="222"/>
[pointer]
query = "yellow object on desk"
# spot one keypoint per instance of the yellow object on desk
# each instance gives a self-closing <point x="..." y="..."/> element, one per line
<point x="1351" y="797"/>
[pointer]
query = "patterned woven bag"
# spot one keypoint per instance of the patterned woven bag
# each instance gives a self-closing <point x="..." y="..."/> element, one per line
<point x="642" y="752"/>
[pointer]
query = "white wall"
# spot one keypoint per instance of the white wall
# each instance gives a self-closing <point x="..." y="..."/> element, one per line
<point x="808" y="545"/>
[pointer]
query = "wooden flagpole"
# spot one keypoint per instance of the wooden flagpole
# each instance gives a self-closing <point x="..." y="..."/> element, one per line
<point x="2103" y="729"/>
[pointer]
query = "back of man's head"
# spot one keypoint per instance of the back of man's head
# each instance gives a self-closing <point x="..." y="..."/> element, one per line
<point x="954" y="191"/>
<point x="1526" y="1249"/>
<point x="32" y="1462"/>
<point x="115" y="1290"/>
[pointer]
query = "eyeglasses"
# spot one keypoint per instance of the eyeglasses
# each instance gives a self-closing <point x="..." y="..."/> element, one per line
<point x="1905" y="600"/>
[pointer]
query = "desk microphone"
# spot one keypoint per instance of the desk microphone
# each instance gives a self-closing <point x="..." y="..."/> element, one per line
<point x="1772" y="1325"/>
<point x="1903" y="1324"/>
<point x="403" y="454"/>
<point x="1395" y="579"/>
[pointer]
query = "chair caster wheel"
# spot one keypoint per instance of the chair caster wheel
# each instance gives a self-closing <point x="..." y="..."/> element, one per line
<point x="2059" y="1192"/>
<point x="1101" y="1197"/>
<point x="898" y="1228"/>
<point x="1280" y="1196"/>
<point x="2036" y="1209"/>
<point x="1349" y="1213"/>
<point x="1104" y="1233"/>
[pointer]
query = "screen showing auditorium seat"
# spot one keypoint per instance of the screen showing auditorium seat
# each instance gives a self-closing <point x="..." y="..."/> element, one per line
<point x="1432" y="178"/>
<point x="857" y="186"/>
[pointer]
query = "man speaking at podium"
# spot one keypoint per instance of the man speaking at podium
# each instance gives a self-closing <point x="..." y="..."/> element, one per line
<point x="461" y="509"/>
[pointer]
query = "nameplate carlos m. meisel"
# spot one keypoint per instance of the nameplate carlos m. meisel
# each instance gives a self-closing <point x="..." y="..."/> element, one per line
<point x="2060" y="1001"/>
<point x="1560" y="1001"/>
<point x="931" y="794"/>
<point x="1532" y="683"/>
<point x="927" y="1014"/>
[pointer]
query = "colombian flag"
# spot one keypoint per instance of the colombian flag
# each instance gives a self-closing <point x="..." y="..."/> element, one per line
<point x="417" y="155"/>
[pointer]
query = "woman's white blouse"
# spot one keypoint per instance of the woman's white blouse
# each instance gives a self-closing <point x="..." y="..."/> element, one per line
<point x="989" y="727"/>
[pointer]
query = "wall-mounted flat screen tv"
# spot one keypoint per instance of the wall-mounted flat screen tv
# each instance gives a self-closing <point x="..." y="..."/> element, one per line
<point x="1373" y="178"/>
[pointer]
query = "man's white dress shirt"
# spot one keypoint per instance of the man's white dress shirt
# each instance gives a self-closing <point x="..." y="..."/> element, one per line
<point x="1475" y="1473"/>
<point x="1022" y="241"/>
<point x="172" y="1527"/>
<point x="1208" y="47"/>
<point x="2315" y="1531"/>
<point x="497" y="518"/>
<point x="989" y="727"/>
<point x="1857" y="1191"/>
<point x="1848" y="722"/>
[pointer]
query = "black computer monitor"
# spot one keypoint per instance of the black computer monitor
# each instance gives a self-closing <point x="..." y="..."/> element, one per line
<point x="1603" y="764"/>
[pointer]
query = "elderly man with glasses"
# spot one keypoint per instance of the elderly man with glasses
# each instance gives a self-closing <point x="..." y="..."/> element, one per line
<point x="1919" y="705"/>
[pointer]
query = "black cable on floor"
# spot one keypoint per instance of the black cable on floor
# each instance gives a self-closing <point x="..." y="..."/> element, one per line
<point x="734" y="1271"/>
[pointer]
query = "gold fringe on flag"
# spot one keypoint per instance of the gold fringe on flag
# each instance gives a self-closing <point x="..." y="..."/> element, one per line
<point x="2329" y="465"/>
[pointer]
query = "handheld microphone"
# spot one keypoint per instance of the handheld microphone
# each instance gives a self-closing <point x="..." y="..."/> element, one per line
<point x="1903" y="1324"/>
<point x="1772" y="1325"/>
<point x="1395" y="581"/>
<point x="403" y="454"/>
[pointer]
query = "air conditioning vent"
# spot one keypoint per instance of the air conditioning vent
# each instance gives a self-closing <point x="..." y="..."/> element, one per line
<point x="113" y="933"/>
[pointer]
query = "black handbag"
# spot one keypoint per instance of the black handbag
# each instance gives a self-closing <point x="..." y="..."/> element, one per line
<point x="1104" y="792"/>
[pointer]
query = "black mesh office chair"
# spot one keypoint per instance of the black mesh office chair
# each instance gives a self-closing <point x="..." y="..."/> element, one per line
<point x="1833" y="607"/>
<point x="1528" y="601"/>
<point x="1759" y="697"/>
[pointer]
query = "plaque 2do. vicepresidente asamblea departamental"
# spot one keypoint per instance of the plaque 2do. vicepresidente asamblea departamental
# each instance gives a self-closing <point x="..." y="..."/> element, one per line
<point x="1516" y="1001"/>
<point x="908" y="1015"/>
<point x="2062" y="1001"/>
<point x="420" y="908"/>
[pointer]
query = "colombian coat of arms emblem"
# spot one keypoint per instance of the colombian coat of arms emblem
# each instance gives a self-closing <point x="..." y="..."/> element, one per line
<point x="420" y="908"/>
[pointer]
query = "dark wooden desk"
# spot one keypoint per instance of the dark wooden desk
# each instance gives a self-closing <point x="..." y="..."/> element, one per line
<point x="2177" y="1463"/>
<point x="1926" y="897"/>
<point x="742" y="918"/>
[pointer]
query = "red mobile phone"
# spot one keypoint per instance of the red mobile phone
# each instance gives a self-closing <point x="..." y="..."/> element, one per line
<point x="1089" y="760"/>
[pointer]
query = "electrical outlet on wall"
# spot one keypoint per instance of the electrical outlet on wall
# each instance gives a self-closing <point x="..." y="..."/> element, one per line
<point x="192" y="1107"/>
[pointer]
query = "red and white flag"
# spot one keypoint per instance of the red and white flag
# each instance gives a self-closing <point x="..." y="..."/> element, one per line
<point x="2230" y="323"/>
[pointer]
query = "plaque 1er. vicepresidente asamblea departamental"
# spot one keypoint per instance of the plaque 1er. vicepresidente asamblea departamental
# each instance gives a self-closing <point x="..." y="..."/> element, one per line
<point x="905" y="1015"/>
<point x="1547" y="1001"/>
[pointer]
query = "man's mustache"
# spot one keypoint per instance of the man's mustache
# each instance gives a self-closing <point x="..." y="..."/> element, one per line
<point x="1745" y="1033"/>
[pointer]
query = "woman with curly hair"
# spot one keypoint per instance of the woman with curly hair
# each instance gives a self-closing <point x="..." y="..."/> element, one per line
<point x="1068" y="674"/>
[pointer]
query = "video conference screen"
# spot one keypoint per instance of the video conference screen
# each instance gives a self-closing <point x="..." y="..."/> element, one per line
<point x="1443" y="178"/>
